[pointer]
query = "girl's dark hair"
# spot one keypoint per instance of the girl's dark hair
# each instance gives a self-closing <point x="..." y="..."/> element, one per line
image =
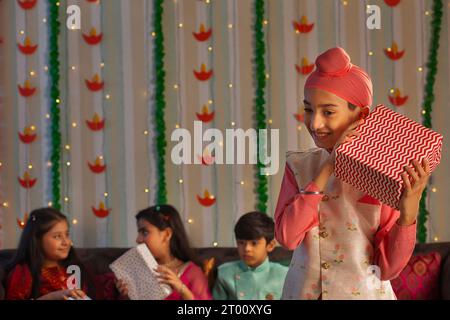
<point x="254" y="225"/>
<point x="351" y="106"/>
<point x="166" y="216"/>
<point x="30" y="250"/>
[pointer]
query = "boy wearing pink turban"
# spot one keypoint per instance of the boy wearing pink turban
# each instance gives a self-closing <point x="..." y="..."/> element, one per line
<point x="346" y="244"/>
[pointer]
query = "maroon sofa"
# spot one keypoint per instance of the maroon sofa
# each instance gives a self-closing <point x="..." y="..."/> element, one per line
<point x="97" y="261"/>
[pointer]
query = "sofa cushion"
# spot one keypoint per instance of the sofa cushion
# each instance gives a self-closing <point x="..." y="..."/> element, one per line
<point x="445" y="280"/>
<point x="419" y="280"/>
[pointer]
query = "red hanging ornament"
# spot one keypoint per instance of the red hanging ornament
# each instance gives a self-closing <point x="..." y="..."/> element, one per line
<point x="95" y="84"/>
<point x="393" y="53"/>
<point x="101" y="211"/>
<point x="28" y="136"/>
<point x="97" y="167"/>
<point x="305" y="68"/>
<point x="96" y="124"/>
<point x="26" y="90"/>
<point x="22" y="223"/>
<point x="397" y="99"/>
<point x="392" y="3"/>
<point x="207" y="200"/>
<point x="206" y="159"/>
<point x="300" y="117"/>
<point x="303" y="26"/>
<point x="27" y="48"/>
<point x="93" y="38"/>
<point x="27" y="4"/>
<point x="203" y="75"/>
<point x="27" y="182"/>
<point x="203" y="34"/>
<point x="205" y="116"/>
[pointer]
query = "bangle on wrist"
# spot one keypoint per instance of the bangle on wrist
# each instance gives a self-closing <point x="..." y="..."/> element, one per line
<point x="310" y="192"/>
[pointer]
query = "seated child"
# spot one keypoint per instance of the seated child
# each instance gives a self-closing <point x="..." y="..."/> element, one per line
<point x="160" y="227"/>
<point x="38" y="270"/>
<point x="254" y="277"/>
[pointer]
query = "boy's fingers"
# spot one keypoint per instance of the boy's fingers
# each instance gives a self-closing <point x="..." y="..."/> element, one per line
<point x="412" y="173"/>
<point x="419" y="169"/>
<point x="406" y="181"/>
<point x="426" y="166"/>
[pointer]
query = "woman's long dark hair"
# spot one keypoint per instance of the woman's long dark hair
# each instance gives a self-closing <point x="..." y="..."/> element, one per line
<point x="30" y="250"/>
<point x="166" y="216"/>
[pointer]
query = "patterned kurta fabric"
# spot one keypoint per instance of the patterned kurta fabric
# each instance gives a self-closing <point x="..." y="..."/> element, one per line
<point x="335" y="259"/>
<point x="237" y="281"/>
<point x="19" y="282"/>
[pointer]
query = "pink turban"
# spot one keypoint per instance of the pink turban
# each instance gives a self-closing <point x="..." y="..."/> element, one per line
<point x="335" y="74"/>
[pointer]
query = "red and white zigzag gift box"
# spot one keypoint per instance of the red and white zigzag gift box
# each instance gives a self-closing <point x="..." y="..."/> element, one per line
<point x="373" y="162"/>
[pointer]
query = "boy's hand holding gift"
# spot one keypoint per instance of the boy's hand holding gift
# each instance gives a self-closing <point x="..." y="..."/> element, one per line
<point x="383" y="160"/>
<point x="415" y="182"/>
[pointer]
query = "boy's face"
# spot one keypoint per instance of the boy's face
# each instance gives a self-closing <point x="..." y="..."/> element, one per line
<point x="327" y="116"/>
<point x="254" y="252"/>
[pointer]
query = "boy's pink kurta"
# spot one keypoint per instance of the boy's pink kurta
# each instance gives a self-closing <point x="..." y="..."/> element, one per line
<point x="339" y="239"/>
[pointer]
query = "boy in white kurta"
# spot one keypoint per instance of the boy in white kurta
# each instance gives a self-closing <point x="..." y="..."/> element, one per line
<point x="347" y="244"/>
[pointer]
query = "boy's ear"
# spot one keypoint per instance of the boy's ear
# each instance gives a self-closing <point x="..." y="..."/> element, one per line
<point x="271" y="245"/>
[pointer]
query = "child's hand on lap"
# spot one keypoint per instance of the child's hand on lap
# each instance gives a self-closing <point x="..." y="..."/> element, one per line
<point x="122" y="288"/>
<point x="415" y="182"/>
<point x="64" y="294"/>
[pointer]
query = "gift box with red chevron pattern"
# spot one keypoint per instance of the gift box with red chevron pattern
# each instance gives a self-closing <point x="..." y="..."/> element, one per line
<point x="373" y="162"/>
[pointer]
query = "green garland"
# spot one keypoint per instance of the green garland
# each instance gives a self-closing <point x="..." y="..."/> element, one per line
<point x="160" y="126"/>
<point x="428" y="103"/>
<point x="260" y="114"/>
<point x="54" y="30"/>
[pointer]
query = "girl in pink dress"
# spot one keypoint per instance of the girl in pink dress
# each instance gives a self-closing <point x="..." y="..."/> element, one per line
<point x="346" y="244"/>
<point x="161" y="229"/>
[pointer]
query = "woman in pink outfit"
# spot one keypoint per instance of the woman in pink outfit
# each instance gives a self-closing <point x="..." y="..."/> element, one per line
<point x="346" y="244"/>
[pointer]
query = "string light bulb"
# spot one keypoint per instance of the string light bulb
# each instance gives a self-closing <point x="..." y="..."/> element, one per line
<point x="180" y="181"/>
<point x="190" y="221"/>
<point x="146" y="190"/>
<point x="5" y="204"/>
<point x="74" y="221"/>
<point x="215" y="244"/>
<point x="105" y="194"/>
